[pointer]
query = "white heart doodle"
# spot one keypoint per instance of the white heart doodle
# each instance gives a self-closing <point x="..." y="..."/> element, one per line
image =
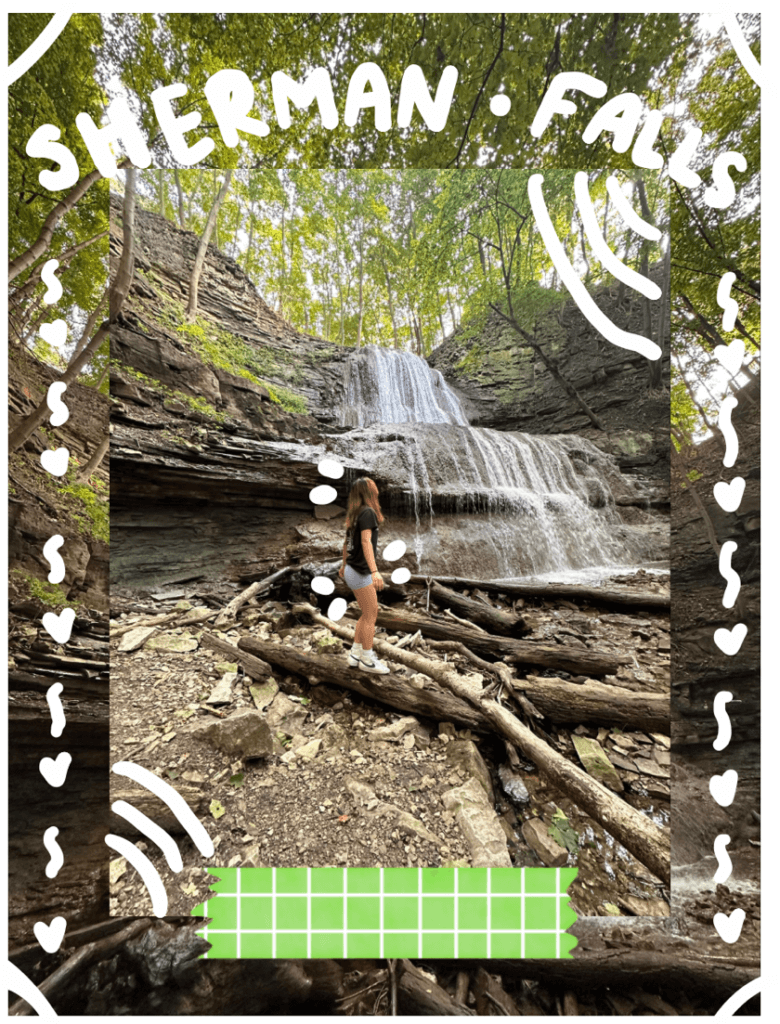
<point x="54" y="333"/>
<point x="729" y="926"/>
<point x="729" y="495"/>
<point x="59" y="627"/>
<point x="723" y="787"/>
<point x="730" y="640"/>
<point x="731" y="357"/>
<point x="55" y="462"/>
<point x="55" y="771"/>
<point x="50" y="936"/>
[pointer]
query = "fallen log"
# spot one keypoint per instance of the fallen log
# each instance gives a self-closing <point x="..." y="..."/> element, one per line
<point x="530" y="652"/>
<point x="596" y="702"/>
<point x="640" y="836"/>
<point x="253" y="667"/>
<point x="622" y="968"/>
<point x="430" y="701"/>
<point x="181" y="618"/>
<point x="491" y="619"/>
<point x="418" y="994"/>
<point x="551" y="591"/>
<point x="229" y="612"/>
<point x="79" y="960"/>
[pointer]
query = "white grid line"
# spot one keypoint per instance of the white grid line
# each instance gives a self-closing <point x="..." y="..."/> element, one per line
<point x="419" y="914"/>
<point x="455" y="922"/>
<point x="344" y="897"/>
<point x="558" y="912"/>
<point x="273" y="914"/>
<point x="238" y="915"/>
<point x="522" y="915"/>
<point x="308" y="913"/>
<point x="381" y="913"/>
<point x="487" y="951"/>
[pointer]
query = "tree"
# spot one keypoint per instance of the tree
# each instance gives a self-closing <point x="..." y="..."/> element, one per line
<point x="200" y="256"/>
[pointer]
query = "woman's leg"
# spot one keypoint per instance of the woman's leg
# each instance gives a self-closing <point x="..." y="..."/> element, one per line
<point x="364" y="631"/>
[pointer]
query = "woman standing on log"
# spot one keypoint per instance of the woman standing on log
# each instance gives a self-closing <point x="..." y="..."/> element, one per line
<point x="359" y="571"/>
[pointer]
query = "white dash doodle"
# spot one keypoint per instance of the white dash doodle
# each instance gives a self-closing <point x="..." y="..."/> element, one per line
<point x="722" y="718"/>
<point x="600" y="248"/>
<point x="56" y="859"/>
<point x="723" y="787"/>
<point x="614" y="334"/>
<point x="55" y="771"/>
<point x="742" y="47"/>
<point x="336" y="609"/>
<point x="322" y="585"/>
<point x="400" y="576"/>
<point x="50" y="549"/>
<point x="50" y="936"/>
<point x="158" y="835"/>
<point x="627" y="211"/>
<point x="174" y="800"/>
<point x="55" y="709"/>
<point x="148" y="872"/>
<point x="729" y="926"/>
<point x="323" y="495"/>
<point x="52" y="282"/>
<point x="54" y="333"/>
<point x="729" y="495"/>
<point x="59" y="411"/>
<point x="20" y="984"/>
<point x="55" y="462"/>
<point x="724" y="861"/>
<point x="731" y="577"/>
<point x="728" y="404"/>
<point x="731" y="356"/>
<point x="59" y="627"/>
<point x="331" y="468"/>
<point x="730" y="640"/>
<point x="395" y="549"/>
<point x="727" y="304"/>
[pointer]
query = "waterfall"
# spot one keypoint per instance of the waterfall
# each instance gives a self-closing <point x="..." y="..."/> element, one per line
<point x="487" y="502"/>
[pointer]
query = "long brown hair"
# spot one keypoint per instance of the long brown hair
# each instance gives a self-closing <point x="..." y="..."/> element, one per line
<point x="363" y="492"/>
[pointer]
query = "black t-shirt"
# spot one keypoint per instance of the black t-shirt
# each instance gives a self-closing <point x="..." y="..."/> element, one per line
<point x="366" y="520"/>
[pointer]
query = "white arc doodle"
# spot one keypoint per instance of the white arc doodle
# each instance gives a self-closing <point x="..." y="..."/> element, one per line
<point x="150" y="876"/>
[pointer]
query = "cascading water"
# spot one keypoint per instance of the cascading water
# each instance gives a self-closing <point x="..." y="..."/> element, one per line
<point x="511" y="504"/>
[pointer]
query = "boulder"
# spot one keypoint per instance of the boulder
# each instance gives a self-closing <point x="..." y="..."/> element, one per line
<point x="135" y="638"/>
<point x="480" y="826"/>
<point x="244" y="733"/>
<point x="463" y="754"/>
<point x="535" y="833"/>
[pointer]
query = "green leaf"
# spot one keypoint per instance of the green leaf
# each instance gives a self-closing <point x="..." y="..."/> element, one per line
<point x="563" y="834"/>
<point x="216" y="809"/>
<point x="237" y="781"/>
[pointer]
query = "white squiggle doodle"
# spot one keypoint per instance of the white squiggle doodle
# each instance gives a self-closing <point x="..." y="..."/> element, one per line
<point x="59" y="411"/>
<point x="156" y="834"/>
<point x="724" y="861"/>
<point x="733" y="582"/>
<point x="728" y="404"/>
<point x="56" y="858"/>
<point x="50" y="936"/>
<point x="52" y="282"/>
<point x="36" y="50"/>
<point x="730" y="640"/>
<point x="19" y="983"/>
<point x="50" y="549"/>
<point x="55" y="709"/>
<point x="54" y="333"/>
<point x="577" y="290"/>
<point x="731" y="356"/>
<point x="148" y="872"/>
<point x="722" y="718"/>
<point x="59" y="627"/>
<point x="600" y="248"/>
<point x="723" y="787"/>
<point x="627" y="211"/>
<point x="55" y="462"/>
<point x="729" y="495"/>
<point x="726" y="303"/>
<point x="729" y="926"/>
<point x="740" y="997"/>
<point x="174" y="800"/>
<point x="741" y="48"/>
<point x="55" y="770"/>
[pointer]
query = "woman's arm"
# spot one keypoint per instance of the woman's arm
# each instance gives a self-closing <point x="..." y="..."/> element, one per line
<point x="368" y="552"/>
<point x="343" y="560"/>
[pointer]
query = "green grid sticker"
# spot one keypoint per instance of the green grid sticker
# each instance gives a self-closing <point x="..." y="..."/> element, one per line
<point x="444" y="913"/>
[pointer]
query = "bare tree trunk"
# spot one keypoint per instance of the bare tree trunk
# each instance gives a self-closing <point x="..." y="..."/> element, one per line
<point x="200" y="257"/>
<point x="360" y="291"/>
<point x="161" y="191"/>
<point x="90" y="325"/>
<point x="41" y="244"/>
<point x="117" y="296"/>
<point x="89" y="468"/>
<point x="180" y="195"/>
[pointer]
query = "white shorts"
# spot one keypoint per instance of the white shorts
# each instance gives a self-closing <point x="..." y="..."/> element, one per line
<point x="356" y="580"/>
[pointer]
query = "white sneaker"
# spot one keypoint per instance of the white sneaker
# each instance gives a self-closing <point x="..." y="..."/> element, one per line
<point x="354" y="659"/>
<point x="370" y="663"/>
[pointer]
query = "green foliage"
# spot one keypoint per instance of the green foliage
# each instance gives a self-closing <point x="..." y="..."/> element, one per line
<point x="39" y="590"/>
<point x="287" y="399"/>
<point x="93" y="517"/>
<point x="194" y="402"/>
<point x="562" y="832"/>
